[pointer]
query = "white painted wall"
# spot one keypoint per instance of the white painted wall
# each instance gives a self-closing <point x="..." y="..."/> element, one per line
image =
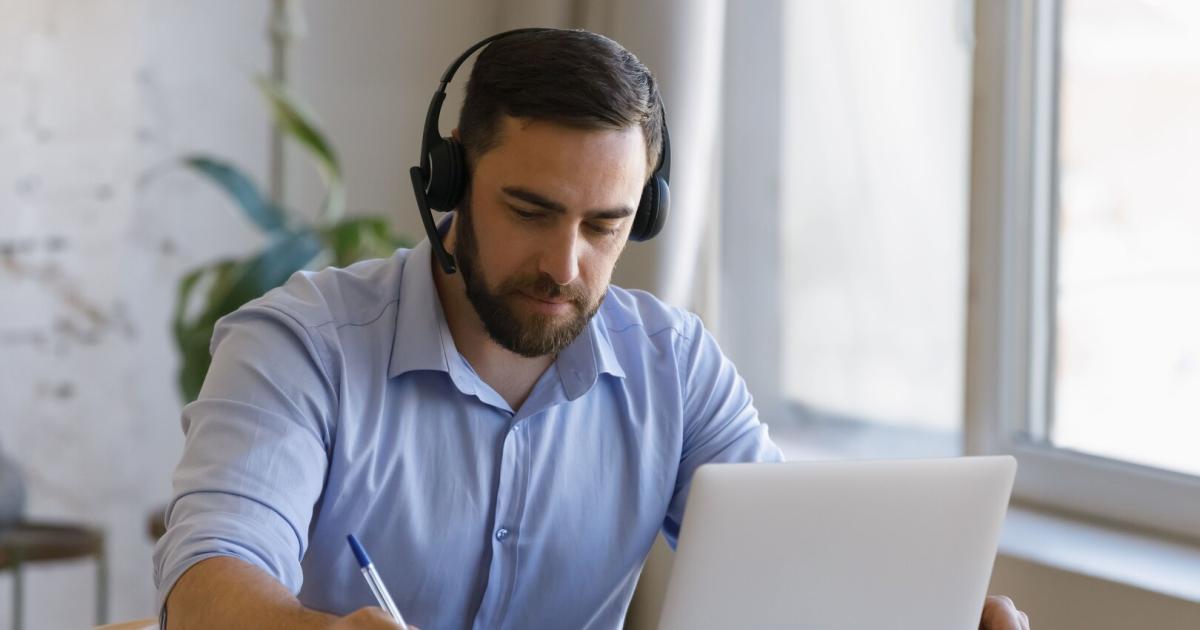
<point x="370" y="73"/>
<point x="96" y="228"/>
<point x="94" y="97"/>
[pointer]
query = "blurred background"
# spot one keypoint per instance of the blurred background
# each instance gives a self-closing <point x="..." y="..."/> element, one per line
<point x="926" y="228"/>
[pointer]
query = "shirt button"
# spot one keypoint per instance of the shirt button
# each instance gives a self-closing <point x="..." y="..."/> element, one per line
<point x="501" y="533"/>
<point x="516" y="427"/>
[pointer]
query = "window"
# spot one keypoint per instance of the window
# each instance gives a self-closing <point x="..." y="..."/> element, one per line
<point x="1078" y="202"/>
<point x="1127" y="273"/>
<point x="875" y="135"/>
<point x="1083" y="351"/>
<point x="843" y="229"/>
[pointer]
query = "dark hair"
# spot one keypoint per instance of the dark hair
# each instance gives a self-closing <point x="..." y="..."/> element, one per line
<point x="569" y="77"/>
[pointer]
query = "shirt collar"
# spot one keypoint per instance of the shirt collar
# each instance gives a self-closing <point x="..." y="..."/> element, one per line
<point x="421" y="330"/>
<point x="423" y="342"/>
<point x="591" y="354"/>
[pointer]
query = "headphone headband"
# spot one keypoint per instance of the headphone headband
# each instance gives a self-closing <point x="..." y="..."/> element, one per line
<point x="440" y="178"/>
<point x="435" y="105"/>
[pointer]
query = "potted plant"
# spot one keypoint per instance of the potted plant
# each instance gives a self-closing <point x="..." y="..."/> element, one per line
<point x="207" y="293"/>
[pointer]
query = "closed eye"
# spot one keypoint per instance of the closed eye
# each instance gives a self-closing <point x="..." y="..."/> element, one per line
<point x="603" y="230"/>
<point x="599" y="229"/>
<point x="524" y="215"/>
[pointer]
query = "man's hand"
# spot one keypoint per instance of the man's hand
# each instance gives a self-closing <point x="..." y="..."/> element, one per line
<point x="999" y="613"/>
<point x="225" y="592"/>
<point x="368" y="618"/>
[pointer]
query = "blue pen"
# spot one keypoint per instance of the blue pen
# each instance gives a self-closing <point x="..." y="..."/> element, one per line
<point x="376" y="584"/>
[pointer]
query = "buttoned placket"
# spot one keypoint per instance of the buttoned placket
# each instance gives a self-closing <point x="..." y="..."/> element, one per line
<point x="513" y="484"/>
<point x="511" y="494"/>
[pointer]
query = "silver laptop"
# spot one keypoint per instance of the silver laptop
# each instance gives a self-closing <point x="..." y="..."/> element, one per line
<point x="830" y="545"/>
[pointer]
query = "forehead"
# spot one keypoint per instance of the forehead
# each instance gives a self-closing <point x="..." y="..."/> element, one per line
<point x="587" y="166"/>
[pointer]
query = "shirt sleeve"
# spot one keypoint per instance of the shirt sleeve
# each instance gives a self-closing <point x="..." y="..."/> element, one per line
<point x="255" y="452"/>
<point x="720" y="421"/>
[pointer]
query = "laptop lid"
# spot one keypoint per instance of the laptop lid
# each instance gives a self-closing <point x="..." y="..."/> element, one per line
<point x="850" y="544"/>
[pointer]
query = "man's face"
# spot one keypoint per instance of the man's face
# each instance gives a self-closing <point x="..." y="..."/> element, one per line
<point x="548" y="213"/>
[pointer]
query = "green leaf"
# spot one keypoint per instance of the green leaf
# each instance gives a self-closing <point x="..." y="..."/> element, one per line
<point x="231" y="283"/>
<point x="296" y="119"/>
<point x="239" y="186"/>
<point x="193" y="333"/>
<point x="183" y="294"/>
<point x="195" y="360"/>
<point x="360" y="238"/>
<point x="269" y="269"/>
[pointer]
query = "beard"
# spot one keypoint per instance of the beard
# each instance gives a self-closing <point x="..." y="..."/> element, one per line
<point x="530" y="335"/>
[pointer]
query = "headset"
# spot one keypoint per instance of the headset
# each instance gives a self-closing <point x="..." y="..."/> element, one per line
<point x="441" y="178"/>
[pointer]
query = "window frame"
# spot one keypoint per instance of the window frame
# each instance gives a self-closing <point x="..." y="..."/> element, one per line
<point x="1010" y="311"/>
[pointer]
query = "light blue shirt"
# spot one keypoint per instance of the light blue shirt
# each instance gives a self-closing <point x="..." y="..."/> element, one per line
<point x="339" y="404"/>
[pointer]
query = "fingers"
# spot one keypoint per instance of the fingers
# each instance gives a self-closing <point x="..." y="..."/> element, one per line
<point x="1000" y="613"/>
<point x="368" y="617"/>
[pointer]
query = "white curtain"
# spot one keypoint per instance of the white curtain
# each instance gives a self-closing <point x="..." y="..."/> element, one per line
<point x="681" y="41"/>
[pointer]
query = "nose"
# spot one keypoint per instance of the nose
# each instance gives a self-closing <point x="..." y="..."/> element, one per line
<point x="560" y="257"/>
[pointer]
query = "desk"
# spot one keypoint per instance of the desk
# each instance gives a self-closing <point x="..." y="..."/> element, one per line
<point x="22" y="543"/>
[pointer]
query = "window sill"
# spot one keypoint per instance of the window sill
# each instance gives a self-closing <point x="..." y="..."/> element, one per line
<point x="1133" y="559"/>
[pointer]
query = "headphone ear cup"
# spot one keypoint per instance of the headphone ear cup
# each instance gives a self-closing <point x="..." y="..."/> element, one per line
<point x="652" y="210"/>
<point x="447" y="174"/>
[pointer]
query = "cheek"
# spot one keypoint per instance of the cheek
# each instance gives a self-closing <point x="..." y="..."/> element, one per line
<point x="597" y="268"/>
<point x="501" y="252"/>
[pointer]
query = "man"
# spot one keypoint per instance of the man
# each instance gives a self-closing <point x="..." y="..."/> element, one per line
<point x="507" y="440"/>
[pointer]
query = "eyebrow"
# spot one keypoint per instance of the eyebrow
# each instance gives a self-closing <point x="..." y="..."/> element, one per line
<point x="528" y="196"/>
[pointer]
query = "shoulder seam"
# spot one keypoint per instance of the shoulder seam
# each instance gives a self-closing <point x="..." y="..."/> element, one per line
<point x="671" y="328"/>
<point x="368" y="322"/>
